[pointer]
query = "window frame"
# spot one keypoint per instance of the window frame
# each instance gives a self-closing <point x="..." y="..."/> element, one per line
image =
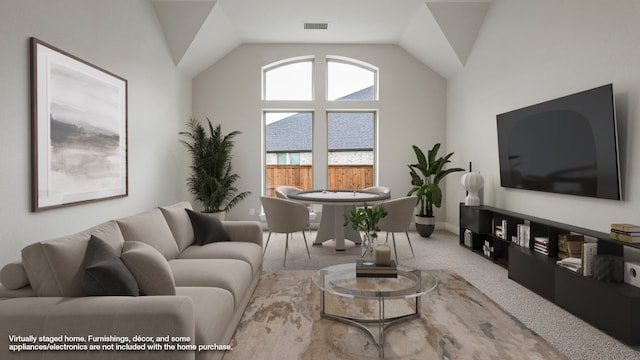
<point x="319" y="109"/>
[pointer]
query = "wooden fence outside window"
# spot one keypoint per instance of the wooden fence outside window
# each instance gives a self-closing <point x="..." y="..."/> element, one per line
<point x="301" y="176"/>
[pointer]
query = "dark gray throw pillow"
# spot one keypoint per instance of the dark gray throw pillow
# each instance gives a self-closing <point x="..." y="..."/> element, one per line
<point x="207" y="228"/>
<point x="105" y="273"/>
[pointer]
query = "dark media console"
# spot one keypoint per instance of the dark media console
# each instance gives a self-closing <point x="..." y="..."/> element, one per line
<point x="613" y="308"/>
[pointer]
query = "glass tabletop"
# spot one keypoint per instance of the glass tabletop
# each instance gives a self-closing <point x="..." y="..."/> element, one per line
<point x="341" y="280"/>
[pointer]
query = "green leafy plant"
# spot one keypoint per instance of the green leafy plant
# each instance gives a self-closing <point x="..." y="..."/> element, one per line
<point x="212" y="179"/>
<point x="365" y="218"/>
<point x="425" y="177"/>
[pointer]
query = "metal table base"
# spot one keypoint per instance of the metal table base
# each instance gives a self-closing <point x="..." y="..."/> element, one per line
<point x="382" y="322"/>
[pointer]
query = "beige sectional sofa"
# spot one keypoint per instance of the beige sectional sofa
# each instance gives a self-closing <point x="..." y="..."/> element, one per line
<point x="197" y="292"/>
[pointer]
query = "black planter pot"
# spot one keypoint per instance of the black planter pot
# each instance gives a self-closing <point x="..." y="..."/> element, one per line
<point x="425" y="225"/>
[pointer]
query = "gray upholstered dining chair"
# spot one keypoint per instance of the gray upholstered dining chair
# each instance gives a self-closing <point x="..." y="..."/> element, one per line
<point x="398" y="219"/>
<point x="283" y="192"/>
<point x="380" y="189"/>
<point x="285" y="217"/>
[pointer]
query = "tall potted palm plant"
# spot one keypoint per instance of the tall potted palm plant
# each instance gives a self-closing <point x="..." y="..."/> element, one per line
<point x="212" y="180"/>
<point x="426" y="175"/>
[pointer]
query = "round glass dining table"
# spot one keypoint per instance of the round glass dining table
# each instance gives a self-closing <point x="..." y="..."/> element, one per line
<point x="335" y="204"/>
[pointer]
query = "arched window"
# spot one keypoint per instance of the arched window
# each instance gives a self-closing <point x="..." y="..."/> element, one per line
<point x="288" y="80"/>
<point x="350" y="80"/>
<point x="348" y="137"/>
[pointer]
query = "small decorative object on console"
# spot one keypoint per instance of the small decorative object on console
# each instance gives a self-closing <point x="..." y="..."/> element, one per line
<point x="632" y="273"/>
<point x="473" y="183"/>
<point x="608" y="268"/>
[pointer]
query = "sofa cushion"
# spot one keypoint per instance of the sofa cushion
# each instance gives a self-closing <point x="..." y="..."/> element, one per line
<point x="105" y="273"/>
<point x="215" y="309"/>
<point x="244" y="230"/>
<point x="248" y="252"/>
<point x="179" y="223"/>
<point x="13" y="276"/>
<point x="232" y="275"/>
<point x="55" y="267"/>
<point x="207" y="228"/>
<point x="150" y="269"/>
<point x="151" y="228"/>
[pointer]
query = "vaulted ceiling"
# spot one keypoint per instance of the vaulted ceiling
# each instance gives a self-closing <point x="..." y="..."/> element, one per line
<point x="440" y="33"/>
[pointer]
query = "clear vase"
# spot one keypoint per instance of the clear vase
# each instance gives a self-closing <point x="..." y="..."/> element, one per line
<point x="367" y="248"/>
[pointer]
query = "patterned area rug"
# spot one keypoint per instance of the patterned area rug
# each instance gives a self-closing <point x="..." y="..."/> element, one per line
<point x="458" y="321"/>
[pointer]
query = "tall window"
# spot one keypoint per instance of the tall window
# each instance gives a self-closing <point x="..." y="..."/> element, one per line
<point x="288" y="145"/>
<point x="350" y="138"/>
<point x="350" y="133"/>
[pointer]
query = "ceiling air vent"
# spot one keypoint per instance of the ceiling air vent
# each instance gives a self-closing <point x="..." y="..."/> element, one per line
<point x="316" y="26"/>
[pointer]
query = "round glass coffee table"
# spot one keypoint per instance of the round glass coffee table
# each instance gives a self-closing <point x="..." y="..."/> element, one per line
<point x="341" y="280"/>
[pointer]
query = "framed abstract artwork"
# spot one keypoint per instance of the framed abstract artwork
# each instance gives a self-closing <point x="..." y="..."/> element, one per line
<point x="79" y="130"/>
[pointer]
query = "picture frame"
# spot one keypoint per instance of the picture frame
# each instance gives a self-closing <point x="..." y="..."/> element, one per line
<point x="79" y="130"/>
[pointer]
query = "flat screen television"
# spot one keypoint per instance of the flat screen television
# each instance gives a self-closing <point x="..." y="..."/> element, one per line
<point x="566" y="145"/>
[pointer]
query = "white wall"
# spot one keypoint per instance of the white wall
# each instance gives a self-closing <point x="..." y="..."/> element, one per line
<point x="532" y="51"/>
<point x="124" y="37"/>
<point x="411" y="109"/>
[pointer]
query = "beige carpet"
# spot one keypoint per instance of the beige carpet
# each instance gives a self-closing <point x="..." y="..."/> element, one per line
<point x="458" y="322"/>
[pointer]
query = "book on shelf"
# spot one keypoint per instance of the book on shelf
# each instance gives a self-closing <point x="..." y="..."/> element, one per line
<point x="504" y="230"/>
<point x="574" y="249"/>
<point x="626" y="227"/>
<point x="589" y="252"/>
<point x="541" y="251"/>
<point x="541" y="245"/>
<point x="632" y="233"/>
<point x="541" y="240"/>
<point x="500" y="231"/>
<point x="573" y="264"/>
<point x="630" y="237"/>
<point x="570" y="245"/>
<point x="523" y="234"/>
<point x="562" y="247"/>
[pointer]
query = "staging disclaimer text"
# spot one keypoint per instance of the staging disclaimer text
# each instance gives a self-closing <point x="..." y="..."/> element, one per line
<point x="90" y="342"/>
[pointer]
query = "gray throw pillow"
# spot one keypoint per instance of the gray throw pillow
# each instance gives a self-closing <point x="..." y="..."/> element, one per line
<point x="105" y="273"/>
<point x="150" y="269"/>
<point x="207" y="228"/>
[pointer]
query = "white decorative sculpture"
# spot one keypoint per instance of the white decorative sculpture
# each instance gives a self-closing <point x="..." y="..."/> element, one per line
<point x="473" y="183"/>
